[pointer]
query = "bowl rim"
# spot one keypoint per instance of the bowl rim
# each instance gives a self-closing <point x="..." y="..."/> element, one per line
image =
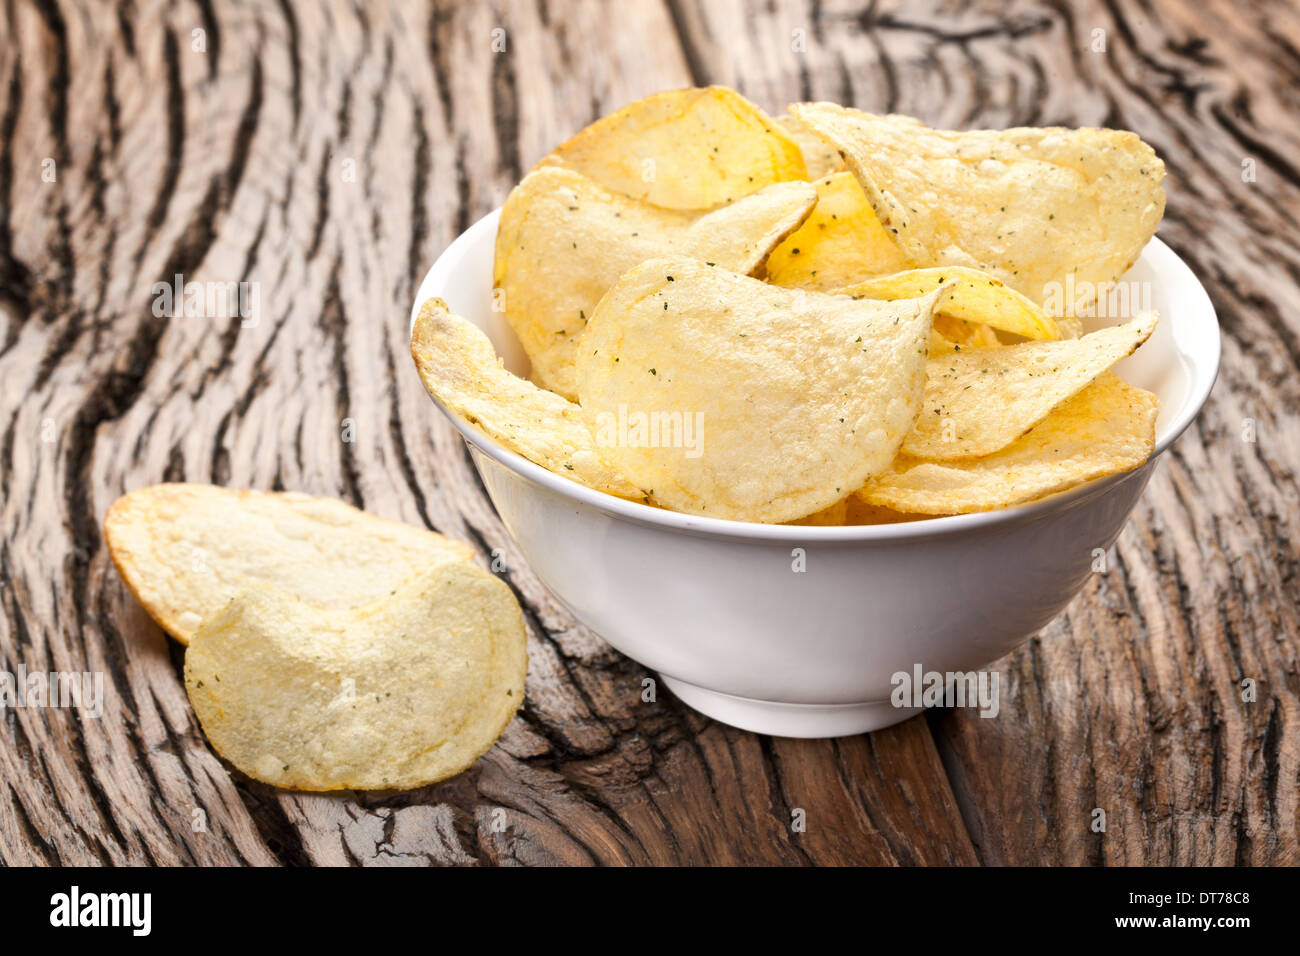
<point x="1205" y="371"/>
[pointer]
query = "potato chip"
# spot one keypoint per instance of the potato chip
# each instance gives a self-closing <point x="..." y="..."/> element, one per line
<point x="461" y="370"/>
<point x="1107" y="428"/>
<point x="834" y="514"/>
<point x="684" y="149"/>
<point x="400" y="693"/>
<point x="978" y="297"/>
<point x="1030" y="206"/>
<point x="1071" y="327"/>
<point x="980" y="400"/>
<point x="820" y="158"/>
<point x="858" y="512"/>
<point x="740" y="237"/>
<point x="184" y="550"/>
<point x="963" y="334"/>
<point x="563" y="240"/>
<point x="841" y="242"/>
<point x="791" y="397"/>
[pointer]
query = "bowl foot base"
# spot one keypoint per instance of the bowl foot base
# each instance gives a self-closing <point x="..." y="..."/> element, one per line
<point x="789" y="720"/>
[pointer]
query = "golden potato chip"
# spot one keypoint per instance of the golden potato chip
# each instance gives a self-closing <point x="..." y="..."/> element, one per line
<point x="964" y="334"/>
<point x="834" y="514"/>
<point x="841" y="242"/>
<point x="186" y="550"/>
<point x="563" y="240"/>
<point x="1030" y="206"/>
<point x="1107" y="428"/>
<point x="977" y="297"/>
<point x="684" y="149"/>
<point x="979" y="400"/>
<point x="400" y="693"/>
<point x="858" y="512"/>
<point x="725" y="396"/>
<point x="820" y="158"/>
<point x="461" y="370"/>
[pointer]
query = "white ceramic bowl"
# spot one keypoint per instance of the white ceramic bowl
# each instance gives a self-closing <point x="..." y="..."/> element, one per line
<point x="716" y="606"/>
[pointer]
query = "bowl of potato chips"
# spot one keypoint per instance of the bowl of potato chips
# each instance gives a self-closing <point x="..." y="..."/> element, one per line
<point x="785" y="408"/>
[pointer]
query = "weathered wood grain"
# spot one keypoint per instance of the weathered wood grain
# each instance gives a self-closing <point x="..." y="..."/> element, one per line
<point x="328" y="152"/>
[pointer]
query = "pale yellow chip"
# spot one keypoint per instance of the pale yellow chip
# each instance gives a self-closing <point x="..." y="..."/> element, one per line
<point x="684" y="149"/>
<point x="721" y="395"/>
<point x="977" y="297"/>
<point x="184" y="550"/>
<point x="820" y="158"/>
<point x="841" y="242"/>
<point x="1030" y="206"/>
<point x="1107" y="428"/>
<point x="461" y="370"/>
<point x="400" y="693"/>
<point x="1071" y="327"/>
<point x="980" y="400"/>
<point x="564" y="240"/>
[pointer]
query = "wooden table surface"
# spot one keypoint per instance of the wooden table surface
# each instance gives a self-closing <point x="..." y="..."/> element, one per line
<point x="329" y="152"/>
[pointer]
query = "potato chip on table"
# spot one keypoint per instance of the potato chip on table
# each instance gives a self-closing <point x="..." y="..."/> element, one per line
<point x="185" y="550"/>
<point x="1107" y="428"/>
<point x="327" y="648"/>
<point x="403" y="692"/>
<point x="1033" y="207"/>
<point x="795" y="397"/>
<point x="684" y="149"/>
<point x="563" y="240"/>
